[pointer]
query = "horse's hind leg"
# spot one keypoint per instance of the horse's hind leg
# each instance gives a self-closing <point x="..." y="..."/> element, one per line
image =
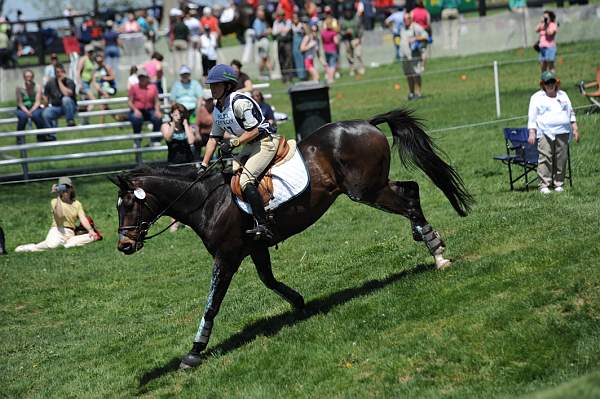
<point x="403" y="198"/>
<point x="262" y="261"/>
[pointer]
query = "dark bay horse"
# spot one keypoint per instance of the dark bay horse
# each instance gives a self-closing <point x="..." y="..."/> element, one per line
<point x="351" y="157"/>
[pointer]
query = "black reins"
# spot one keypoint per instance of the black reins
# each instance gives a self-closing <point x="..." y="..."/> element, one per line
<point x="142" y="228"/>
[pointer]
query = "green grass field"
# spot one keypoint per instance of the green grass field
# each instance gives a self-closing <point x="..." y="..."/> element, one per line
<point x="518" y="314"/>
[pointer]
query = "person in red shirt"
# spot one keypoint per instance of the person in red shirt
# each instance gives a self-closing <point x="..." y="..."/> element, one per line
<point x="288" y="7"/>
<point x="210" y="20"/>
<point x="144" y="104"/>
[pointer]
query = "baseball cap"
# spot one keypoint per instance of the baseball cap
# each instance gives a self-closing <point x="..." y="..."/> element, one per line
<point x="175" y="12"/>
<point x="184" y="69"/>
<point x="142" y="72"/>
<point x="65" y="180"/>
<point x="548" y="76"/>
<point x="88" y="48"/>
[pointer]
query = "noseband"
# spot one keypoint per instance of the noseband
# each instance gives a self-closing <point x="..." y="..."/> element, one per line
<point x="142" y="227"/>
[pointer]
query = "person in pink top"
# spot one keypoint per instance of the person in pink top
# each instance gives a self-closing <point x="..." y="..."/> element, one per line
<point x="155" y="70"/>
<point x="130" y="25"/>
<point x="144" y="105"/>
<point x="330" y="40"/>
<point x="421" y="16"/>
<point x="547" y="29"/>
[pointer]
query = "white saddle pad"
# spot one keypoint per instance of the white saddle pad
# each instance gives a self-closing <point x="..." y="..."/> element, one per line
<point x="289" y="180"/>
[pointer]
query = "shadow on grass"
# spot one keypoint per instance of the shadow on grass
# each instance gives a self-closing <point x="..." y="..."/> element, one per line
<point x="270" y="326"/>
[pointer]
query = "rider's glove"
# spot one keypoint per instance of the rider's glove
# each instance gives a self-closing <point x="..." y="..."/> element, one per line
<point x="202" y="168"/>
<point x="226" y="147"/>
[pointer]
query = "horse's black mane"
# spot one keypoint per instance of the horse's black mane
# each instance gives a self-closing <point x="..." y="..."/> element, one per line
<point x="188" y="173"/>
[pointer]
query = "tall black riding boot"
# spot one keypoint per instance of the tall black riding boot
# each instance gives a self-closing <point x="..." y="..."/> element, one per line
<point x="261" y="231"/>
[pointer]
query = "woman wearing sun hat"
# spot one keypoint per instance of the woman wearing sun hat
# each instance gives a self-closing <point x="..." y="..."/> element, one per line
<point x="551" y="123"/>
<point x="66" y="212"/>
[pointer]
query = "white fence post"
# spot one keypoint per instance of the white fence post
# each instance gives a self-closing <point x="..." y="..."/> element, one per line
<point x="497" y="87"/>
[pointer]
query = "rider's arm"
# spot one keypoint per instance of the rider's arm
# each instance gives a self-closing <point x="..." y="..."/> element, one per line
<point x="211" y="145"/>
<point x="242" y="109"/>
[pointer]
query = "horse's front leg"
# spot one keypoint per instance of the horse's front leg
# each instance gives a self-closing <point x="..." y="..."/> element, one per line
<point x="221" y="278"/>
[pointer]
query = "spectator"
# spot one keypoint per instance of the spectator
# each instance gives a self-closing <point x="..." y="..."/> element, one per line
<point x="551" y="121"/>
<point x="61" y="97"/>
<point x="204" y="121"/>
<point x="547" y="29"/>
<point x="312" y="12"/>
<point x="330" y="40"/>
<point x="211" y="21"/>
<point x="49" y="69"/>
<point x="261" y="35"/>
<point x="155" y="70"/>
<point x="369" y="14"/>
<point x="150" y="34"/>
<point x="85" y="72"/>
<point x="288" y="8"/>
<point x="596" y="83"/>
<point x="297" y="35"/>
<point x="450" y="23"/>
<point x="5" y="44"/>
<point x="181" y="38"/>
<point x="421" y="16"/>
<point x="187" y="92"/>
<point x="104" y="81"/>
<point x="180" y="142"/>
<point x="144" y="105"/>
<point x="265" y="108"/>
<point x="29" y="99"/>
<point x="131" y="24"/>
<point x="132" y="79"/>
<point x="412" y="39"/>
<point x="112" y="48"/>
<point x="244" y="82"/>
<point x="351" y="30"/>
<point x="66" y="211"/>
<point x="517" y="6"/>
<point x="396" y="22"/>
<point x="193" y="25"/>
<point x="179" y="136"/>
<point x="208" y="49"/>
<point x="310" y="50"/>
<point x="282" y="31"/>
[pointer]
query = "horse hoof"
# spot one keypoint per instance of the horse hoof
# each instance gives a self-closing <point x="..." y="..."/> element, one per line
<point x="441" y="262"/>
<point x="189" y="361"/>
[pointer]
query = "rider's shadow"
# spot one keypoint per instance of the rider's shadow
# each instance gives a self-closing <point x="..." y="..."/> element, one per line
<point x="270" y="326"/>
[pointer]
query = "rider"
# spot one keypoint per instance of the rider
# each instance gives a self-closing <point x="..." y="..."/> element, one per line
<point x="237" y="114"/>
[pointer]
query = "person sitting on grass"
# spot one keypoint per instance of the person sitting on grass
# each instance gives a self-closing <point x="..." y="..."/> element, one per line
<point x="596" y="83"/>
<point x="60" y="94"/>
<point x="66" y="211"/>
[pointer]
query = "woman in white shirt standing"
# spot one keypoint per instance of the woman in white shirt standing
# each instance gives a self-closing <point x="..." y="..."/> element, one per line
<point x="551" y="122"/>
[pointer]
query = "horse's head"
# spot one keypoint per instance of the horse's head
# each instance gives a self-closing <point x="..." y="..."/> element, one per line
<point x="135" y="214"/>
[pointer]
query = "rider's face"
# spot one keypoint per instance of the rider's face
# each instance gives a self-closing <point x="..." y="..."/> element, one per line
<point x="217" y="89"/>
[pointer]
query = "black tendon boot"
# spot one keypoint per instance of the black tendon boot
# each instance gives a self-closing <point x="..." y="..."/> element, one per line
<point x="261" y="231"/>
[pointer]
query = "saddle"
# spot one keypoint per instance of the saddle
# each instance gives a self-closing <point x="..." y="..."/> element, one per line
<point x="285" y="151"/>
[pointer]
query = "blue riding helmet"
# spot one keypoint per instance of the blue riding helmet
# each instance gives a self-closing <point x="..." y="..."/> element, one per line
<point x="221" y="73"/>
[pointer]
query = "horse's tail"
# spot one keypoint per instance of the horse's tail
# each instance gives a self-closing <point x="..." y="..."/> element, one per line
<point x="416" y="148"/>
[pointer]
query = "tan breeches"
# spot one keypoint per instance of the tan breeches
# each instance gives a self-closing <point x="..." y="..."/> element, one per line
<point x="260" y="153"/>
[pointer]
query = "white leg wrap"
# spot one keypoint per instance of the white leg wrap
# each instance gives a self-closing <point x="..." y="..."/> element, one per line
<point x="204" y="330"/>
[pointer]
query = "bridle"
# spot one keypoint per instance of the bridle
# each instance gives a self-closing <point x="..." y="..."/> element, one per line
<point x="142" y="227"/>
